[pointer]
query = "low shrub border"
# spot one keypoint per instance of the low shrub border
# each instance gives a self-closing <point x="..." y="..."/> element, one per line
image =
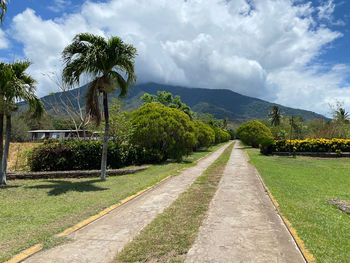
<point x="337" y="146"/>
<point x="74" y="174"/>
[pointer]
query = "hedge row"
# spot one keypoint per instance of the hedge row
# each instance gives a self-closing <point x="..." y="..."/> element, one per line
<point x="68" y="155"/>
<point x="312" y="145"/>
<point x="159" y="133"/>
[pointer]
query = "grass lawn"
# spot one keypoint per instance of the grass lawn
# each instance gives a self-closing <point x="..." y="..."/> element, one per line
<point x="302" y="187"/>
<point x="33" y="211"/>
<point x="171" y="234"/>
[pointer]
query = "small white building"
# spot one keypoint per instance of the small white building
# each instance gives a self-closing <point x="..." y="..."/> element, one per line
<point x="38" y="135"/>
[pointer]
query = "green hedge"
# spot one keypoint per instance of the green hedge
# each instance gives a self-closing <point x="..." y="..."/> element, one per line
<point x="68" y="155"/>
<point x="312" y="145"/>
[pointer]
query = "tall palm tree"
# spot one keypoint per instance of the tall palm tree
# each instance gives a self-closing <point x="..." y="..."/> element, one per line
<point x="3" y="9"/>
<point x="275" y="116"/>
<point x="107" y="61"/>
<point x="20" y="87"/>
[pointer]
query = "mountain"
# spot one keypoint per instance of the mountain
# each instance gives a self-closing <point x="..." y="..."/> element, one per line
<point x="220" y="103"/>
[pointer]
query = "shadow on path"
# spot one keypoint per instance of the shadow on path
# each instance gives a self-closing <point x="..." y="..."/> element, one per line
<point x="59" y="187"/>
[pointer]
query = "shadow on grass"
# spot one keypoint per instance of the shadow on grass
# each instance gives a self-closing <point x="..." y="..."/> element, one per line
<point x="59" y="187"/>
<point x="8" y="186"/>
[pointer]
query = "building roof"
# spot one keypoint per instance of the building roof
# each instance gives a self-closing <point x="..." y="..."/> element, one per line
<point x="54" y="131"/>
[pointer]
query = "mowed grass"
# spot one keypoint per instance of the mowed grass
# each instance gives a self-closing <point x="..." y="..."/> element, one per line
<point x="171" y="234"/>
<point x="302" y="187"/>
<point x="33" y="211"/>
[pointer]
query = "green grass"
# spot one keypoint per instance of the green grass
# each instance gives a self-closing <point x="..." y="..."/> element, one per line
<point x="171" y="234"/>
<point x="33" y="211"/>
<point x="302" y="187"/>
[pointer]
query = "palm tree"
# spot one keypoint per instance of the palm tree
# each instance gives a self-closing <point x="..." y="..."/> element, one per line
<point x="3" y="9"/>
<point x="341" y="116"/>
<point x="20" y="87"/>
<point x="275" y="116"/>
<point x="107" y="61"/>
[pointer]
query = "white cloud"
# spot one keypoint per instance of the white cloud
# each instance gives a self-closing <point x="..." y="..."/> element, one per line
<point x="265" y="48"/>
<point x="59" y="5"/>
<point x="4" y="43"/>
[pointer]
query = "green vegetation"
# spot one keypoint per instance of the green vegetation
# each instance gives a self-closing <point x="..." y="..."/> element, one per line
<point x="32" y="211"/>
<point x="171" y="234"/>
<point x="15" y="85"/>
<point x="302" y="187"/>
<point x="107" y="62"/>
<point x="253" y="132"/>
<point x="168" y="132"/>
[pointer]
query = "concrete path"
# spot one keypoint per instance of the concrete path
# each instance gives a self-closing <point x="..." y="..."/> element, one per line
<point x="242" y="223"/>
<point x="101" y="240"/>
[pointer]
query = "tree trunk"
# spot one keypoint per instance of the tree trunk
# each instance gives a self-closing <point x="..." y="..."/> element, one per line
<point x="7" y="147"/>
<point x="3" y="179"/>
<point x="105" y="138"/>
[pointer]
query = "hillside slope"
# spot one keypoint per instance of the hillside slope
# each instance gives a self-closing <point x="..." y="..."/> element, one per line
<point x="219" y="102"/>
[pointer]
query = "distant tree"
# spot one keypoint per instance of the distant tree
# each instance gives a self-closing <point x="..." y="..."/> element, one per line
<point x="275" y="116"/>
<point x="339" y="114"/>
<point x="106" y="61"/>
<point x="167" y="99"/>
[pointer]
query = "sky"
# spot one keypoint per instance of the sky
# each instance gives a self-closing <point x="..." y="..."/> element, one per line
<point x="292" y="52"/>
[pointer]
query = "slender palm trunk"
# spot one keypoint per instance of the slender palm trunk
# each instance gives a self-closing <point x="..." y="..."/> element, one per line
<point x="7" y="146"/>
<point x="105" y="138"/>
<point x="3" y="179"/>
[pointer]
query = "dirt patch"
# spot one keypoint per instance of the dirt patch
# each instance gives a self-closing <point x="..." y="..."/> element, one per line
<point x="342" y="205"/>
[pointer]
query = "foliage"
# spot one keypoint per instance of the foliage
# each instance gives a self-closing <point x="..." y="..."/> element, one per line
<point x="76" y="155"/>
<point x="205" y="134"/>
<point x="275" y="116"/>
<point x="108" y="62"/>
<point x="19" y="131"/>
<point x="221" y="135"/>
<point x="167" y="131"/>
<point x="167" y="99"/>
<point x="312" y="145"/>
<point x="119" y="123"/>
<point x="252" y="132"/>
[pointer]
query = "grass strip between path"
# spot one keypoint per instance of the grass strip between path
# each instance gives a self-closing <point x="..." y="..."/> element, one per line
<point x="33" y="211"/>
<point x="171" y="234"/>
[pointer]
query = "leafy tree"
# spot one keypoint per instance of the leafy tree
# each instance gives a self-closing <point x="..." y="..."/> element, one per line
<point x="252" y="132"/>
<point x="106" y="61"/>
<point x="167" y="99"/>
<point x="204" y="133"/>
<point x="275" y="116"/>
<point x="164" y="131"/>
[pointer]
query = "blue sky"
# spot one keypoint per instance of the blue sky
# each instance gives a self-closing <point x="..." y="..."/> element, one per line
<point x="291" y="52"/>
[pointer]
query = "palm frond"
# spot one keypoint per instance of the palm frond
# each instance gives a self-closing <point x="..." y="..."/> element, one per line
<point x="3" y="9"/>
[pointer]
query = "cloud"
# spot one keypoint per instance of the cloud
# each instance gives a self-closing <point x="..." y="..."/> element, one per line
<point x="267" y="48"/>
<point x="4" y="43"/>
<point x="59" y="5"/>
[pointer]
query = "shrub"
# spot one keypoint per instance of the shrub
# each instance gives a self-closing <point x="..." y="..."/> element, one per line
<point x="166" y="131"/>
<point x="76" y="155"/>
<point x="221" y="135"/>
<point x="266" y="145"/>
<point x="312" y="145"/>
<point x="253" y="132"/>
<point x="204" y="133"/>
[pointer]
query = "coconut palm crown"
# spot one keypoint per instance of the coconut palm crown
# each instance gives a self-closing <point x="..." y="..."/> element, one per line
<point x="111" y="64"/>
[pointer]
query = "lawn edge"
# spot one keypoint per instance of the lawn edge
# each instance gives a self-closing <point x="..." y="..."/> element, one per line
<point x="308" y="257"/>
<point x="37" y="247"/>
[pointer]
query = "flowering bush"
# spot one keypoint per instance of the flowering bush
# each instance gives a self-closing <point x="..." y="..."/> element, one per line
<point x="312" y="145"/>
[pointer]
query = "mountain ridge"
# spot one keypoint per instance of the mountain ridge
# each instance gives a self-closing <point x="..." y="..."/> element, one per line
<point x="221" y="103"/>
